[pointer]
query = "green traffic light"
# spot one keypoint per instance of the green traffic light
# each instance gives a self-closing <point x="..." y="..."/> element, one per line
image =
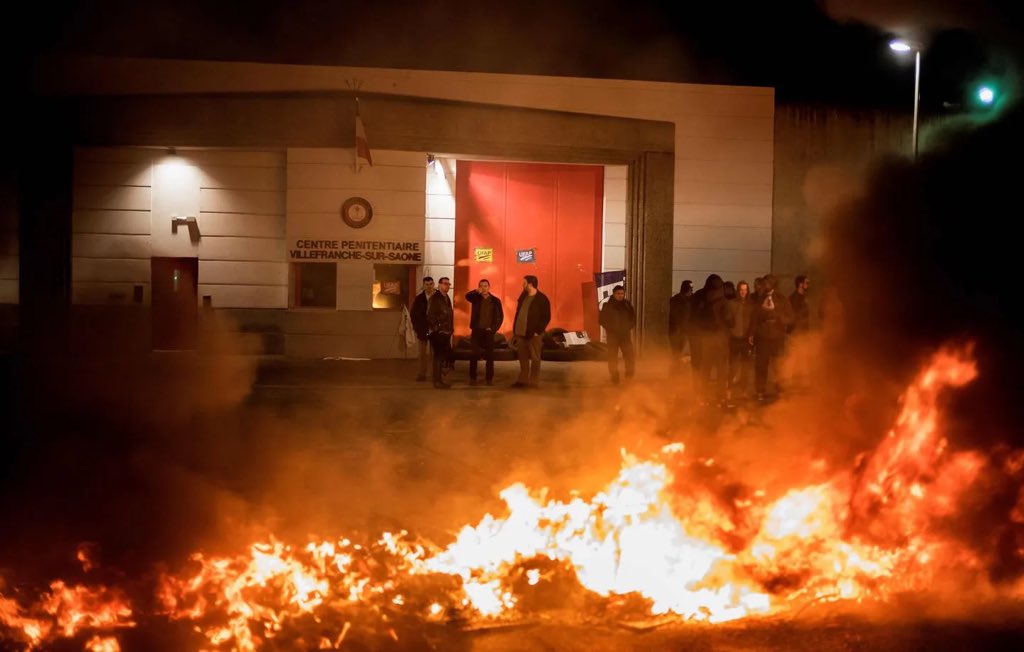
<point x="986" y="95"/>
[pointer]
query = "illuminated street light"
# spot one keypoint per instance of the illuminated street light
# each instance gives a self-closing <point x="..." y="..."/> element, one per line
<point x="986" y="95"/>
<point x="901" y="47"/>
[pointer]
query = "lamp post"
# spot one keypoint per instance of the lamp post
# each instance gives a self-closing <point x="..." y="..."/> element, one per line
<point x="900" y="46"/>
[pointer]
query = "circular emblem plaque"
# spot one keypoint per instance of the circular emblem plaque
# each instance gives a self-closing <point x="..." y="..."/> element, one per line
<point x="356" y="212"/>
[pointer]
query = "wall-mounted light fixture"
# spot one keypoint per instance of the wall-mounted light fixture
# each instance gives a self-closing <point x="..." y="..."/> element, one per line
<point x="191" y="222"/>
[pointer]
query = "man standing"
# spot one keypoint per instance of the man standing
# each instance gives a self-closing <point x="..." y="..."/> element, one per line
<point x="767" y="333"/>
<point x="533" y="313"/>
<point x="441" y="324"/>
<point x="419" y="325"/>
<point x="742" y="309"/>
<point x="485" y="319"/>
<point x="679" y="307"/>
<point x="618" y="319"/>
<point x="801" y="309"/>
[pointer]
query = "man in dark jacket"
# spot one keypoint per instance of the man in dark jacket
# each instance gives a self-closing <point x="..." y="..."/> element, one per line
<point x="418" y="314"/>
<point x="618" y="319"/>
<point x="712" y="320"/>
<point x="533" y="313"/>
<point x="440" y="325"/>
<point x="679" y="321"/>
<point x="768" y="325"/>
<point x="485" y="319"/>
<point x="801" y="309"/>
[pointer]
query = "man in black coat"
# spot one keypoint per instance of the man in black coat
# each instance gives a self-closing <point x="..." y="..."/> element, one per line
<point x="485" y="319"/>
<point x="533" y="314"/>
<point x="619" y="319"/>
<point x="418" y="314"/>
<point x="440" y="326"/>
<point x="679" y="310"/>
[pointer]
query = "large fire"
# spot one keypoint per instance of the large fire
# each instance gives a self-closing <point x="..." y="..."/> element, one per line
<point x="653" y="543"/>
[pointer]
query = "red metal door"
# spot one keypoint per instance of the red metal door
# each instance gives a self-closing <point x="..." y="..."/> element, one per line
<point x="175" y="309"/>
<point x="553" y="210"/>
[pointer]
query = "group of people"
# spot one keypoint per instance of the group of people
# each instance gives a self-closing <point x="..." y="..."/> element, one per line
<point x="729" y="328"/>
<point x="433" y="320"/>
<point x="734" y="333"/>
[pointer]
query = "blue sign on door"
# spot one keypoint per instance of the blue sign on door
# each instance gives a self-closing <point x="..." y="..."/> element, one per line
<point x="526" y="256"/>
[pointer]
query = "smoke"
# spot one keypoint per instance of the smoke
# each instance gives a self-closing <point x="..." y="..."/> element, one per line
<point x="921" y="18"/>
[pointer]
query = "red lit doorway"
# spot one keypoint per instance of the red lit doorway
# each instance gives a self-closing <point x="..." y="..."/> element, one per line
<point x="175" y="309"/>
<point x="502" y="209"/>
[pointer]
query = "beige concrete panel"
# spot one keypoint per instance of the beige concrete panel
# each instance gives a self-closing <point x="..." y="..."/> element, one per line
<point x="437" y="270"/>
<point x="615" y="211"/>
<point x="116" y="155"/>
<point x="89" y="245"/>
<point x="440" y="230"/>
<point x="722" y="215"/>
<point x="240" y="224"/>
<point x="355" y="297"/>
<point x="614" y="258"/>
<point x="233" y="157"/>
<point x="616" y="172"/>
<point x="257" y="202"/>
<point x="718" y="237"/>
<point x="346" y="155"/>
<point x="721" y="260"/>
<point x="229" y="248"/>
<point x="724" y="171"/>
<point x="220" y="272"/>
<point x="726" y="126"/>
<point x="441" y="206"/>
<point x="615" y="189"/>
<point x="614" y="235"/>
<point x="114" y="222"/>
<point x="110" y="270"/>
<point x="442" y="253"/>
<point x="8" y="268"/>
<point x="385" y="202"/>
<point x="9" y="291"/>
<point x="355" y="273"/>
<point x="341" y="322"/>
<point x="723" y="149"/>
<point x="438" y="184"/>
<point x="337" y="175"/>
<point x="108" y="173"/>
<point x="95" y="293"/>
<point x="705" y="192"/>
<point x="175" y="193"/>
<point x="241" y="178"/>
<point x="245" y="296"/>
<point x="132" y="198"/>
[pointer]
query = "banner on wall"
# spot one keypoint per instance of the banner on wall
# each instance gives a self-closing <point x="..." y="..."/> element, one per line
<point x="384" y="251"/>
<point x="605" y="281"/>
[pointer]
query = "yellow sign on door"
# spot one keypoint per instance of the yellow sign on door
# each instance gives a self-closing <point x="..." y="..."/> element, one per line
<point x="484" y="255"/>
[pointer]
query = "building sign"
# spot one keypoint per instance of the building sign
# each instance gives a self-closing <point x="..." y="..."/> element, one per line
<point x="482" y="255"/>
<point x="526" y="256"/>
<point x="387" y="251"/>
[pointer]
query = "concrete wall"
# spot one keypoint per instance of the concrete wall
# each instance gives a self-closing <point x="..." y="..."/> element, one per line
<point x="822" y="157"/>
<point x="123" y="203"/>
<point x="614" y="218"/>
<point x="319" y="181"/>
<point x="722" y="204"/>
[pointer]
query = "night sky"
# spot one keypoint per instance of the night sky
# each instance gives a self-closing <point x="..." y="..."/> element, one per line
<point x="829" y="51"/>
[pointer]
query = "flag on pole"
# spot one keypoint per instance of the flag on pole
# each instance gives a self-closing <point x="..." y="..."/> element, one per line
<point x="362" y="145"/>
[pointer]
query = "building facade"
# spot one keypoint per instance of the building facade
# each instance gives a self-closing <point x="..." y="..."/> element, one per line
<point x="194" y="188"/>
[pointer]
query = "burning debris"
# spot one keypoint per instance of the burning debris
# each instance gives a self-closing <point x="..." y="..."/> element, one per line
<point x="670" y="539"/>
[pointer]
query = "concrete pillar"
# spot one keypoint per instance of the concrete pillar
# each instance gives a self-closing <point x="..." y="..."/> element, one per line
<point x="649" y="245"/>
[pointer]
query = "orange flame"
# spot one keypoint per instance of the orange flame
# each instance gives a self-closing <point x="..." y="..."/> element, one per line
<point x="866" y="533"/>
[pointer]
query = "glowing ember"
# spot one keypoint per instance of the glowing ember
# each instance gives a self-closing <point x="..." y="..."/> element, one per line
<point x="651" y="534"/>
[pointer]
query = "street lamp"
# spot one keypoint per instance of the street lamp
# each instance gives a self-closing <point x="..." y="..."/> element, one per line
<point x="901" y="47"/>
